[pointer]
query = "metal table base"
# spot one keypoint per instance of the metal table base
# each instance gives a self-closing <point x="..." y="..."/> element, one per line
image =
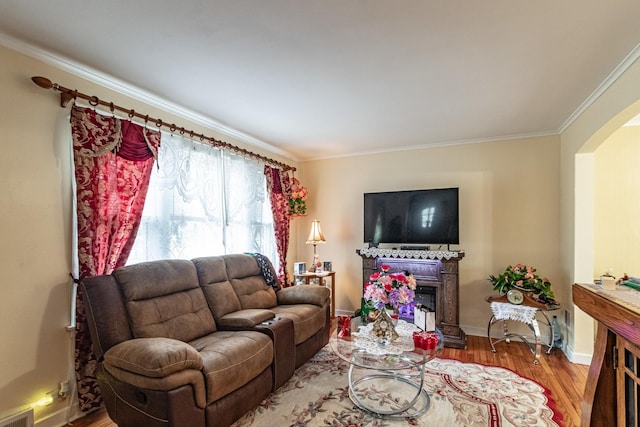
<point x="534" y="346"/>
<point x="401" y="410"/>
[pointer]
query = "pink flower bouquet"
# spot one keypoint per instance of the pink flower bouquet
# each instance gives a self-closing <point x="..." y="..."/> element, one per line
<point x="390" y="291"/>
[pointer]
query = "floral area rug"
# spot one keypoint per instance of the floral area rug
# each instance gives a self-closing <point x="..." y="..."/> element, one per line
<point x="461" y="394"/>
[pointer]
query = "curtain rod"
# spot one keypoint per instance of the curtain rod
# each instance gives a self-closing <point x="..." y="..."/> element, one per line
<point x="67" y="95"/>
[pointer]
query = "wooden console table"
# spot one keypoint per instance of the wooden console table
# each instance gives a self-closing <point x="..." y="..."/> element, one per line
<point x="435" y="270"/>
<point x="616" y="357"/>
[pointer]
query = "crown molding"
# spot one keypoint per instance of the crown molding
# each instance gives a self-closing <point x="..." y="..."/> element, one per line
<point x="438" y="144"/>
<point x="602" y="87"/>
<point x="112" y="83"/>
<point x="134" y="92"/>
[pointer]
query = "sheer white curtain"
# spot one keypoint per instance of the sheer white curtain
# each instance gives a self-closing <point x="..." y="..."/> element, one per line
<point x="203" y="201"/>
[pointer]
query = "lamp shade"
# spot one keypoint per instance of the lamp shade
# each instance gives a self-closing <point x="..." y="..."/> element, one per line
<point x="315" y="236"/>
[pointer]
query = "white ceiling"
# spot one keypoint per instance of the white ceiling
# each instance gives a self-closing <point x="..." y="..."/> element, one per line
<point x="323" y="78"/>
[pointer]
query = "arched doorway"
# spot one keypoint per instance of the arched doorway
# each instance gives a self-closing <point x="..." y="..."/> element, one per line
<point x="585" y="181"/>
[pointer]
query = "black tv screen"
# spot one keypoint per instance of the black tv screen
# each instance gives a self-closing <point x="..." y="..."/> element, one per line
<point x="412" y="217"/>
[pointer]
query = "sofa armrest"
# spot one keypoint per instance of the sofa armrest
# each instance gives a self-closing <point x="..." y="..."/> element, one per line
<point x="157" y="364"/>
<point x="304" y="294"/>
<point x="243" y="319"/>
<point x="153" y="357"/>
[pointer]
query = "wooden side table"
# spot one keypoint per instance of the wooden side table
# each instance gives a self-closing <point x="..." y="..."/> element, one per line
<point x="321" y="276"/>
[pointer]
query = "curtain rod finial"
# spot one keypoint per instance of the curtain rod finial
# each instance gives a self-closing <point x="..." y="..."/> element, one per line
<point x="43" y="82"/>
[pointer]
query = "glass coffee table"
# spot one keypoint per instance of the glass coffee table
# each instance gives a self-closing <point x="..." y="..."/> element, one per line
<point x="387" y="378"/>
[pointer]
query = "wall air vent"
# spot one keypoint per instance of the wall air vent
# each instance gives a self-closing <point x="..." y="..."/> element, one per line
<point x="21" y="419"/>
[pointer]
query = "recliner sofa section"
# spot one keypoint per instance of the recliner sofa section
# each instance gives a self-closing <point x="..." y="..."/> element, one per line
<point x="241" y="300"/>
<point x="198" y="343"/>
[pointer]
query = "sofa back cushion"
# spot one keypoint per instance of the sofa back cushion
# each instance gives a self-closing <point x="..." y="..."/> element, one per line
<point x="163" y="299"/>
<point x="248" y="283"/>
<point x="212" y="275"/>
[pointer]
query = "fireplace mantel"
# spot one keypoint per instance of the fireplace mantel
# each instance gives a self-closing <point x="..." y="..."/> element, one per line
<point x="434" y="269"/>
<point x="416" y="254"/>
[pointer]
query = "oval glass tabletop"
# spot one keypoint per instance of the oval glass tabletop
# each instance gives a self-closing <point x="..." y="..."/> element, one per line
<point x="364" y="349"/>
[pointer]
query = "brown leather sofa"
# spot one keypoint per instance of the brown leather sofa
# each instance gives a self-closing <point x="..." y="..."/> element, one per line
<point x="198" y="343"/>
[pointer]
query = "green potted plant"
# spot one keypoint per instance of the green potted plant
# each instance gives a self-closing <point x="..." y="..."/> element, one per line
<point x="525" y="279"/>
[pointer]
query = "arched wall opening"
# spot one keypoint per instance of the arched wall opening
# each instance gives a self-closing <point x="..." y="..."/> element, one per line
<point x="586" y="178"/>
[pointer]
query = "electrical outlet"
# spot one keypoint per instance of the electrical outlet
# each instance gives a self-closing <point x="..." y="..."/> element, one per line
<point x="63" y="390"/>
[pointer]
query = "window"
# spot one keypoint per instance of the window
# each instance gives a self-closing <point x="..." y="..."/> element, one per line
<point x="201" y="202"/>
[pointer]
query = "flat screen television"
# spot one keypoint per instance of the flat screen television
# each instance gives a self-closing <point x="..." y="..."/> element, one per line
<point x="416" y="217"/>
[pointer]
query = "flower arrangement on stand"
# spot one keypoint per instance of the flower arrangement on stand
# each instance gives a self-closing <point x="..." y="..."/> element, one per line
<point x="524" y="278"/>
<point x="298" y="199"/>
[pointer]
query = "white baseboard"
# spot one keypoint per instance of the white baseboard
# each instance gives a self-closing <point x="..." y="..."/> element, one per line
<point x="578" y="358"/>
<point x="475" y="331"/>
<point x="58" y="418"/>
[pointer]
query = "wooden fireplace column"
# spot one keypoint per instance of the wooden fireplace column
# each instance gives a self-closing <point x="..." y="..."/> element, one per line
<point x="436" y="269"/>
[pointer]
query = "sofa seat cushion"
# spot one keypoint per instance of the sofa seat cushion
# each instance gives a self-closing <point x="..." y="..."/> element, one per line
<point x="245" y="318"/>
<point x="231" y="359"/>
<point x="307" y="319"/>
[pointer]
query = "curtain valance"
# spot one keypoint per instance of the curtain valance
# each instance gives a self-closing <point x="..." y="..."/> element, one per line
<point x="95" y="135"/>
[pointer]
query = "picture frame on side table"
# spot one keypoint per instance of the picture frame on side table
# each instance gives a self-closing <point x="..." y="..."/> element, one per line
<point x="326" y="266"/>
<point x="299" y="268"/>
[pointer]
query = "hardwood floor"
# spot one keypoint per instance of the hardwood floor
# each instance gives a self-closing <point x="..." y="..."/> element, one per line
<point x="565" y="380"/>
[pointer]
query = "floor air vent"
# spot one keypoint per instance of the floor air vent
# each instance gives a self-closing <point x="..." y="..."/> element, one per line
<point x="22" y="419"/>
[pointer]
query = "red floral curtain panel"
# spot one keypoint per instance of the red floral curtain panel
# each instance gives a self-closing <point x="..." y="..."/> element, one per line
<point x="113" y="160"/>
<point x="279" y="188"/>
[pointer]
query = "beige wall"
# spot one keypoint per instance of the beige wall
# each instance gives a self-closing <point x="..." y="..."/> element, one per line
<point x="35" y="229"/>
<point x="509" y="211"/>
<point x="617" y="205"/>
<point x="35" y="225"/>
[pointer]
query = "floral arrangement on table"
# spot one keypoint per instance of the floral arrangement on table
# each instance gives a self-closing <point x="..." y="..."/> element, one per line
<point x="524" y="278"/>
<point x="389" y="291"/>
<point x="298" y="199"/>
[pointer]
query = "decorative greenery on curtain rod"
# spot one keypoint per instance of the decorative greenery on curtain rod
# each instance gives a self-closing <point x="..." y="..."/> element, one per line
<point x="67" y="95"/>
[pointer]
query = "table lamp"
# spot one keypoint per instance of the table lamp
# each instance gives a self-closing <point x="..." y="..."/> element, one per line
<point x="315" y="237"/>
